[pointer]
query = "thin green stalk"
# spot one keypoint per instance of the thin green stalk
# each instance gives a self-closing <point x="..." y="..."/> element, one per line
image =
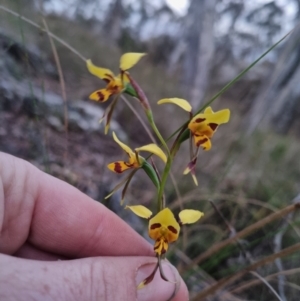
<point x="161" y="204"/>
<point x="160" y="200"/>
<point x="156" y="131"/>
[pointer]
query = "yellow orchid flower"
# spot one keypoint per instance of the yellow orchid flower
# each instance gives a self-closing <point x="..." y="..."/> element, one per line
<point x="115" y="84"/>
<point x="135" y="161"/>
<point x="204" y="125"/>
<point x="164" y="229"/>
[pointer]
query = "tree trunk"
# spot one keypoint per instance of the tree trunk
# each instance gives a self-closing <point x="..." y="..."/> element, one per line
<point x="205" y="55"/>
<point x="193" y="27"/>
<point x="286" y="108"/>
<point x="276" y="103"/>
<point x="113" y="22"/>
<point x="200" y="48"/>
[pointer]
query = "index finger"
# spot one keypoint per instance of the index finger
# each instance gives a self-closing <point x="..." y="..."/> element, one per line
<point x="56" y="217"/>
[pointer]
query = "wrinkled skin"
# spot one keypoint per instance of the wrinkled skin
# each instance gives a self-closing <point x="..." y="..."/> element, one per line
<point x="58" y="244"/>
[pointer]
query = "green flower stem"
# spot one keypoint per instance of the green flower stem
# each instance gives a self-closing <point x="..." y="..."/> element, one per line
<point x="166" y="172"/>
<point x="156" y="131"/>
<point x="160" y="200"/>
<point x="184" y="132"/>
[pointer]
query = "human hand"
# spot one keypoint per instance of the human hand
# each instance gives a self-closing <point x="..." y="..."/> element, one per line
<point x="43" y="219"/>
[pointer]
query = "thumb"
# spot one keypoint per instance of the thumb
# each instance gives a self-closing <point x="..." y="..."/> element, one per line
<point x="89" y="279"/>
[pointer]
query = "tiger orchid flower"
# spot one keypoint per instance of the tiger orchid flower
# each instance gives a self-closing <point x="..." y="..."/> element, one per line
<point x="135" y="162"/>
<point x="164" y="229"/>
<point x="202" y="127"/>
<point x="115" y="84"/>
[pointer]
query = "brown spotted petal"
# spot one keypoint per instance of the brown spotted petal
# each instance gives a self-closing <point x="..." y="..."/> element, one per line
<point x="203" y="141"/>
<point x="206" y="123"/>
<point x="119" y="166"/>
<point x="198" y="123"/>
<point x="101" y="95"/>
<point x="161" y="246"/>
<point x="164" y="229"/>
<point x="213" y="126"/>
<point x="115" y="86"/>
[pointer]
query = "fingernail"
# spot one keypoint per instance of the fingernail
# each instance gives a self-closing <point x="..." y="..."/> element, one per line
<point x="158" y="289"/>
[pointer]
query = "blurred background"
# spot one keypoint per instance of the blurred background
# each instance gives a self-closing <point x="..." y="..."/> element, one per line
<point x="195" y="47"/>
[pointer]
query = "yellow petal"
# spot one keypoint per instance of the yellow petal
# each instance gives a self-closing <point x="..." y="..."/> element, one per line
<point x="198" y="124"/>
<point x="140" y="211"/>
<point x="207" y="123"/>
<point x="208" y="110"/>
<point x="209" y="116"/>
<point x="177" y="101"/>
<point x="126" y="148"/>
<point x="101" y="95"/>
<point x="102" y="73"/>
<point x="129" y="59"/>
<point x="161" y="246"/>
<point x="164" y="219"/>
<point x="219" y="117"/>
<point x="190" y="216"/>
<point x="203" y="141"/>
<point x="119" y="166"/>
<point x="154" y="149"/>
